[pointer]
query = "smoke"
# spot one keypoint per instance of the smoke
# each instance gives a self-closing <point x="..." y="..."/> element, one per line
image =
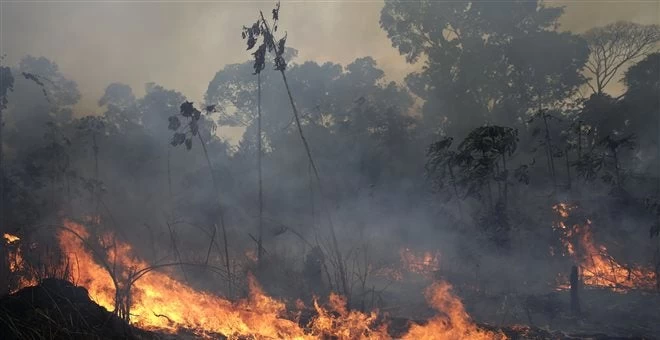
<point x="370" y="150"/>
<point x="181" y="45"/>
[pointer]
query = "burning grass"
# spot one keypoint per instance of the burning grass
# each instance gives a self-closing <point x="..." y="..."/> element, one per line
<point x="159" y="302"/>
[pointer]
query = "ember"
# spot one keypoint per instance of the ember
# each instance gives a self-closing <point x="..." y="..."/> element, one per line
<point x="9" y="238"/>
<point x="425" y="263"/>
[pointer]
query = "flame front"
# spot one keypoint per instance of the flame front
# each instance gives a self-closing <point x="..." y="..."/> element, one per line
<point x="598" y="268"/>
<point x="163" y="303"/>
<point x="160" y="302"/>
<point x="452" y="323"/>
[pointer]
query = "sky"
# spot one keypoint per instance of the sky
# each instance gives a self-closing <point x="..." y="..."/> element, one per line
<point x="182" y="44"/>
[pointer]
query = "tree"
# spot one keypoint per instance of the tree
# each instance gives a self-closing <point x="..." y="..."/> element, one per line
<point x="640" y="104"/>
<point x="183" y="135"/>
<point x="480" y="59"/>
<point x="157" y="105"/>
<point x="615" y="45"/>
<point x="329" y="95"/>
<point x="42" y="95"/>
<point x="7" y="85"/>
<point x="261" y="28"/>
<point x="122" y="111"/>
<point x="482" y="160"/>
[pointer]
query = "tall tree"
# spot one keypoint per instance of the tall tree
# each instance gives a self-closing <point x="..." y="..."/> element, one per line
<point x="43" y="94"/>
<point x="480" y="59"/>
<point x="614" y="46"/>
<point x="122" y="111"/>
<point x="641" y="104"/>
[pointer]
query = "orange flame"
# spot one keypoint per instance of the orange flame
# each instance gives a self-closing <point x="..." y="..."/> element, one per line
<point x="9" y="238"/>
<point x="454" y="324"/>
<point x="17" y="263"/>
<point x="425" y="264"/>
<point x="598" y="268"/>
<point x="348" y="324"/>
<point x="160" y="302"/>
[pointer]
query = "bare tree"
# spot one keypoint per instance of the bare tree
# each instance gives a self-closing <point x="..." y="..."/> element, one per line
<point x="614" y="45"/>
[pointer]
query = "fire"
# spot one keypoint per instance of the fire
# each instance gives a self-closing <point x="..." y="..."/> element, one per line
<point x="598" y="268"/>
<point x="251" y="255"/>
<point x="349" y="324"/>
<point x="161" y="302"/>
<point x="389" y="272"/>
<point x="9" y="238"/>
<point x="157" y="301"/>
<point x="454" y="324"/>
<point x="17" y="264"/>
<point x="425" y="264"/>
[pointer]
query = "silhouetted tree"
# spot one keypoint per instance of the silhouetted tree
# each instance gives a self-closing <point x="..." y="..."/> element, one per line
<point x="615" y="45"/>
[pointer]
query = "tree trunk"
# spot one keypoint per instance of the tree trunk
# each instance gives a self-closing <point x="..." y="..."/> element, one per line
<point x="220" y="212"/>
<point x="259" y="152"/>
<point x="579" y="141"/>
<point x="548" y="145"/>
<point x="575" y="297"/>
<point x="617" y="172"/>
<point x="335" y="243"/>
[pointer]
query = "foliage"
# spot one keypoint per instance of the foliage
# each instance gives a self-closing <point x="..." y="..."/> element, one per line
<point x="484" y="61"/>
<point x="614" y="45"/>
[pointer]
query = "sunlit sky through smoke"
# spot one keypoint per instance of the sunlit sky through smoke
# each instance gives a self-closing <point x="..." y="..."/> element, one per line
<point x="181" y="45"/>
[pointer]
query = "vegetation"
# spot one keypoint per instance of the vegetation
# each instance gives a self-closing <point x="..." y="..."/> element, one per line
<point x="335" y="162"/>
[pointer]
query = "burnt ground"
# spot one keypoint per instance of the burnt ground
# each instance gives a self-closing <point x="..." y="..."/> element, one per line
<point x="634" y="314"/>
<point x="57" y="309"/>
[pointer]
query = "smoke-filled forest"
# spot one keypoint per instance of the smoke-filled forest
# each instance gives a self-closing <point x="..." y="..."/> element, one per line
<point x="506" y="187"/>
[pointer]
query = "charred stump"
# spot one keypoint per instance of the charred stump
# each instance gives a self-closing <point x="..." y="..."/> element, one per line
<point x="575" y="286"/>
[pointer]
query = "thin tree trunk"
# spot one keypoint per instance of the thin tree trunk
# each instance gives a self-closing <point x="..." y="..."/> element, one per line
<point x="259" y="152"/>
<point x="575" y="289"/>
<point x="335" y="243"/>
<point x="220" y="213"/>
<point x="617" y="172"/>
<point x="548" y="145"/>
<point x="579" y="146"/>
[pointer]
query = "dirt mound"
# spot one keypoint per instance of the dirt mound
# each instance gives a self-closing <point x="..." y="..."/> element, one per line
<point x="57" y="309"/>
